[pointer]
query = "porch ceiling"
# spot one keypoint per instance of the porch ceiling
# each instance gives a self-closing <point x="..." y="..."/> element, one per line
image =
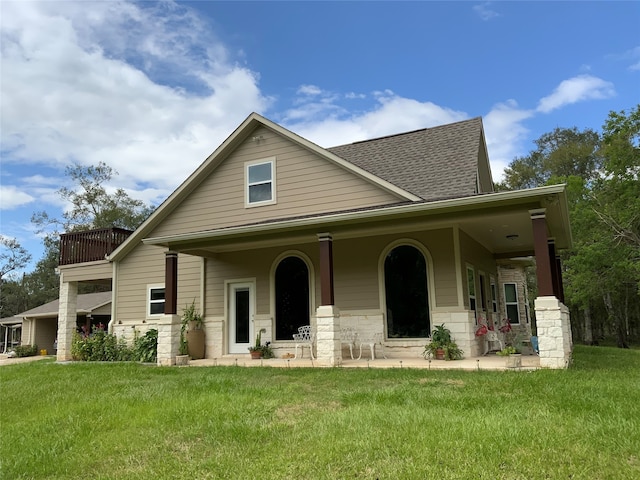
<point x="501" y="222"/>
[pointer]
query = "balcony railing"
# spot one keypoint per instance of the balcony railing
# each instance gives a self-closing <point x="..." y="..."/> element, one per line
<point x="91" y="245"/>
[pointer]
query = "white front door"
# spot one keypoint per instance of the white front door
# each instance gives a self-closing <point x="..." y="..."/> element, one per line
<point x="241" y="311"/>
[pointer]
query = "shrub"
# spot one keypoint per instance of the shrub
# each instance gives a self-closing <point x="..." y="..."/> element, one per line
<point x="102" y="346"/>
<point x="26" y="350"/>
<point x="145" y="348"/>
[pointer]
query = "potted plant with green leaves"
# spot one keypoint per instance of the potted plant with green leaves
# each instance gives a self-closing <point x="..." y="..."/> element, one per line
<point x="194" y="331"/>
<point x="442" y="346"/>
<point x="513" y="352"/>
<point x="258" y="350"/>
<point x="183" y="347"/>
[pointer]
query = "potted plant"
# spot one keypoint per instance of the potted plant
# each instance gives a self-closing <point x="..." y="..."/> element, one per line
<point x="195" y="332"/>
<point x="183" y="347"/>
<point x="513" y="353"/>
<point x="260" y="351"/>
<point x="442" y="346"/>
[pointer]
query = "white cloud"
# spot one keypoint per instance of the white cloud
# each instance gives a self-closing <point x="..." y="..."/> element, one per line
<point x="94" y="91"/>
<point x="390" y="114"/>
<point x="576" y="89"/>
<point x="485" y="12"/>
<point x="309" y="90"/>
<point x="11" y="197"/>
<point x="505" y="134"/>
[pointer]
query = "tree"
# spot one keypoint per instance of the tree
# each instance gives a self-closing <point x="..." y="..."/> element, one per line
<point x="12" y="256"/>
<point x="92" y="206"/>
<point x="560" y="154"/>
<point x="601" y="273"/>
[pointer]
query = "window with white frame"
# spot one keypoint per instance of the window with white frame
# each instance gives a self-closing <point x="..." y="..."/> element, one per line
<point x="483" y="292"/>
<point x="260" y="182"/>
<point x="471" y="286"/>
<point x="494" y="296"/>
<point x="511" y="302"/>
<point x="155" y="300"/>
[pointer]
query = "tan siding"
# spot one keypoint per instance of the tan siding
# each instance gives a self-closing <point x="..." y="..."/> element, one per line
<point x="45" y="333"/>
<point x="474" y="254"/>
<point x="145" y="266"/>
<point x="356" y="268"/>
<point x="250" y="264"/>
<point x="305" y="184"/>
<point x="87" y="271"/>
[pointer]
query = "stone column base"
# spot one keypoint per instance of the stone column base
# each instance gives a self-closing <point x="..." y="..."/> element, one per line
<point x="168" y="339"/>
<point x="554" y="332"/>
<point x="328" y="351"/>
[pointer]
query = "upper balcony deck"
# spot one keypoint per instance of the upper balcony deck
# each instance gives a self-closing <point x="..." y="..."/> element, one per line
<point x="90" y="246"/>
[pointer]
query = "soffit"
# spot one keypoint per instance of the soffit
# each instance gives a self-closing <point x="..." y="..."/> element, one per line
<point x="501" y="222"/>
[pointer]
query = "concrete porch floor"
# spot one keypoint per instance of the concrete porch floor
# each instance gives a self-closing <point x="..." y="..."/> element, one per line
<point x="489" y="362"/>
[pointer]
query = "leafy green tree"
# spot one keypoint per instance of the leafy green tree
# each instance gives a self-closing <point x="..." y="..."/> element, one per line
<point x="601" y="174"/>
<point x="560" y="154"/>
<point x="12" y="256"/>
<point x="92" y="206"/>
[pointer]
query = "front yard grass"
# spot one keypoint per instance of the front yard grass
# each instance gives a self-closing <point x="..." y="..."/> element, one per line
<point x="132" y="421"/>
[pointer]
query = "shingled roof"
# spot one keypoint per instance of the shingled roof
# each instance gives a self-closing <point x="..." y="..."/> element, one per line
<point x="86" y="303"/>
<point x="432" y="163"/>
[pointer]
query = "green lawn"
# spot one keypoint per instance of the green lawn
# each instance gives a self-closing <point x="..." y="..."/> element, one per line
<point x="130" y="421"/>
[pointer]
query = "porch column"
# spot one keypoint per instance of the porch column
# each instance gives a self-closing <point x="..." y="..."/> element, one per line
<point x="171" y="283"/>
<point x="554" y="332"/>
<point x="326" y="268"/>
<point x="560" y="283"/>
<point x="541" y="249"/>
<point x="555" y="273"/>
<point x="169" y="324"/>
<point x="67" y="314"/>
<point x="327" y="315"/>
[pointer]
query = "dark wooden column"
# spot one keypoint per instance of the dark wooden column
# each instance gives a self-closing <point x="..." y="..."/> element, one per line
<point x="555" y="272"/>
<point x="541" y="249"/>
<point x="560" y="285"/>
<point x="326" y="268"/>
<point x="171" y="283"/>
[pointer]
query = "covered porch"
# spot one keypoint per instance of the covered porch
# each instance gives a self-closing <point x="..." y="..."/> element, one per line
<point x="507" y="224"/>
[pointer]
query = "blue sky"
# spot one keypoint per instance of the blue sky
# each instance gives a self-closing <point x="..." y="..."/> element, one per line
<point x="151" y="88"/>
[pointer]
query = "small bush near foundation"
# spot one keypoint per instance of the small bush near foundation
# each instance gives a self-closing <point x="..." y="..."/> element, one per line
<point x="145" y="348"/>
<point x="102" y="346"/>
<point x="26" y="350"/>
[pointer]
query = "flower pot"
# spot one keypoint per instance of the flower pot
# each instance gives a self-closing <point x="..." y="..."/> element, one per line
<point x="440" y="354"/>
<point x="182" y="360"/>
<point x="195" y="342"/>
<point x="256" y="354"/>
<point x="514" y="360"/>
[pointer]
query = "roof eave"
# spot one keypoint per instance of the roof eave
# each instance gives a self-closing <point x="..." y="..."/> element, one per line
<point x="373" y="214"/>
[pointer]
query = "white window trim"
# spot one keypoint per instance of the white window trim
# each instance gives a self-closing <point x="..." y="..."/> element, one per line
<point x="494" y="295"/>
<point x="149" y="301"/>
<point x="475" y="288"/>
<point x="272" y="161"/>
<point x="516" y="303"/>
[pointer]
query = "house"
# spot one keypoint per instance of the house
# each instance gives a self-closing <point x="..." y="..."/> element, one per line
<point x="40" y="324"/>
<point x="390" y="236"/>
<point x="10" y="333"/>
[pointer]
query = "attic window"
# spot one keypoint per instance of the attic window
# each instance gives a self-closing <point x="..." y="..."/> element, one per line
<point x="260" y="182"/>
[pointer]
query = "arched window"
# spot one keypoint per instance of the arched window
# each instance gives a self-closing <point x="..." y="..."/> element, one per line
<point x="406" y="293"/>
<point x="292" y="297"/>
